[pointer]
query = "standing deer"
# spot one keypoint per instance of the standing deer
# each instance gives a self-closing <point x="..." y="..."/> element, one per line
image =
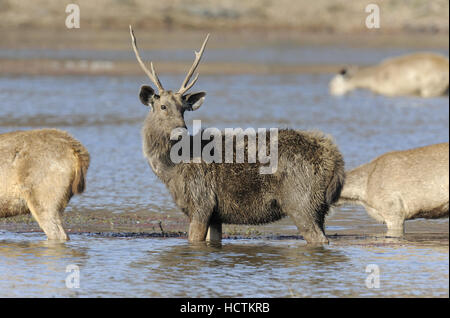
<point x="40" y="170"/>
<point x="308" y="179"/>
<point x="422" y="74"/>
<point x="401" y="185"/>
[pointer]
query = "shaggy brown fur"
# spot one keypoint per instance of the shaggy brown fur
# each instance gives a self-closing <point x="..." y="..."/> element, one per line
<point x="308" y="180"/>
<point x="40" y="170"/>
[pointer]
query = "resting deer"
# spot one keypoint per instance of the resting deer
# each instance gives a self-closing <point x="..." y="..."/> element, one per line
<point x="40" y="170"/>
<point x="308" y="179"/>
<point x="401" y="185"/>
<point x="422" y="74"/>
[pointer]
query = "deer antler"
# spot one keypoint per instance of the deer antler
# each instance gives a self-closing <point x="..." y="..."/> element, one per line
<point x="198" y="55"/>
<point x="151" y="74"/>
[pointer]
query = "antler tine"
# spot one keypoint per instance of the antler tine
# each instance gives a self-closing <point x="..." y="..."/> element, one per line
<point x="198" y="56"/>
<point x="151" y="74"/>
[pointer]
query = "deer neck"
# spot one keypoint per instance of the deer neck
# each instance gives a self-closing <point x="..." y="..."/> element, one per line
<point x="364" y="78"/>
<point x="156" y="146"/>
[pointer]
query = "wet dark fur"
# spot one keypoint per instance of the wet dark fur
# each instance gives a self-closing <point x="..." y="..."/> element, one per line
<point x="308" y="180"/>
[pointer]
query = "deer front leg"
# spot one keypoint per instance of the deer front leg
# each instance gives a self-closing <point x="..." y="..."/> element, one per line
<point x="197" y="231"/>
<point x="49" y="221"/>
<point x="310" y="228"/>
<point x="214" y="232"/>
<point x="395" y="227"/>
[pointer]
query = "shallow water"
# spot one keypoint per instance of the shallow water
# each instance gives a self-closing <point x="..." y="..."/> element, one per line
<point x="104" y="113"/>
<point x="122" y="267"/>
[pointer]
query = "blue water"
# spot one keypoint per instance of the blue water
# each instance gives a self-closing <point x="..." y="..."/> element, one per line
<point x="121" y="267"/>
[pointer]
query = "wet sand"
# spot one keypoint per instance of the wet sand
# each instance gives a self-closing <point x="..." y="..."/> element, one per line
<point x="146" y="224"/>
<point x="83" y="41"/>
<point x="125" y="68"/>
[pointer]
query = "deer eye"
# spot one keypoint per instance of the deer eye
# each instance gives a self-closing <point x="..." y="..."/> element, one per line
<point x="163" y="107"/>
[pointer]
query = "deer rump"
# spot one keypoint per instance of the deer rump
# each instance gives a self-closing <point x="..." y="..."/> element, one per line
<point x="40" y="170"/>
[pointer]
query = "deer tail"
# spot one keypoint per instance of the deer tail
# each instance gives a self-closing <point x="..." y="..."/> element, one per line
<point x="336" y="184"/>
<point x="81" y="167"/>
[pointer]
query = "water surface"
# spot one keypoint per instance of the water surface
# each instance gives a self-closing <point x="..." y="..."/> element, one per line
<point x="122" y="267"/>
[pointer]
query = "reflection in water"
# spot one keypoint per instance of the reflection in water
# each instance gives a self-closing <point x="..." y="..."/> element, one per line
<point x="228" y="255"/>
<point x="147" y="267"/>
<point x="39" y="249"/>
<point x="239" y="268"/>
<point x="36" y="268"/>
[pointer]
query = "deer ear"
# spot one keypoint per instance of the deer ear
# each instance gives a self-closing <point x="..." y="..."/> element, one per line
<point x="146" y="95"/>
<point x="194" y="101"/>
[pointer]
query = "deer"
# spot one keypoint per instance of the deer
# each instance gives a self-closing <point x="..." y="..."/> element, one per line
<point x="401" y="185"/>
<point x="307" y="181"/>
<point x="419" y="74"/>
<point x="40" y="171"/>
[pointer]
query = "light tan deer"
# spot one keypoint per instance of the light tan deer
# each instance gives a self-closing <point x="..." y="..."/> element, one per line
<point x="40" y="170"/>
<point x="401" y="185"/>
<point x="422" y="74"/>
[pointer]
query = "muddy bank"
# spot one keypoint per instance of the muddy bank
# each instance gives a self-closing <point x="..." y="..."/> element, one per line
<point x="145" y="224"/>
<point x="178" y="39"/>
<point x="123" y="68"/>
<point x="107" y="52"/>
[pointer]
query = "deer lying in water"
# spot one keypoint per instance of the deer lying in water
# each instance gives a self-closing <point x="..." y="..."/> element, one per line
<point x="308" y="180"/>
<point x="40" y="170"/>
<point x="401" y="185"/>
<point x="422" y="74"/>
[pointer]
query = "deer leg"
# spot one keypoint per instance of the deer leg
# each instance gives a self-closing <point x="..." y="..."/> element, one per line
<point x="312" y="232"/>
<point x="432" y="90"/>
<point x="393" y="212"/>
<point x="49" y="220"/>
<point x="310" y="223"/>
<point x="395" y="227"/>
<point x="197" y="231"/>
<point x="46" y="203"/>
<point x="214" y="232"/>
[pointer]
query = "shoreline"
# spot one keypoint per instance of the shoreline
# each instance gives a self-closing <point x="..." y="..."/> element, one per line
<point x="176" y="39"/>
<point x="143" y="224"/>
<point x="84" y="40"/>
<point x="57" y="67"/>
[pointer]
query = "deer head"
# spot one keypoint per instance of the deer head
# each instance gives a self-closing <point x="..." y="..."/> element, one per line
<point x="342" y="83"/>
<point x="168" y="107"/>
